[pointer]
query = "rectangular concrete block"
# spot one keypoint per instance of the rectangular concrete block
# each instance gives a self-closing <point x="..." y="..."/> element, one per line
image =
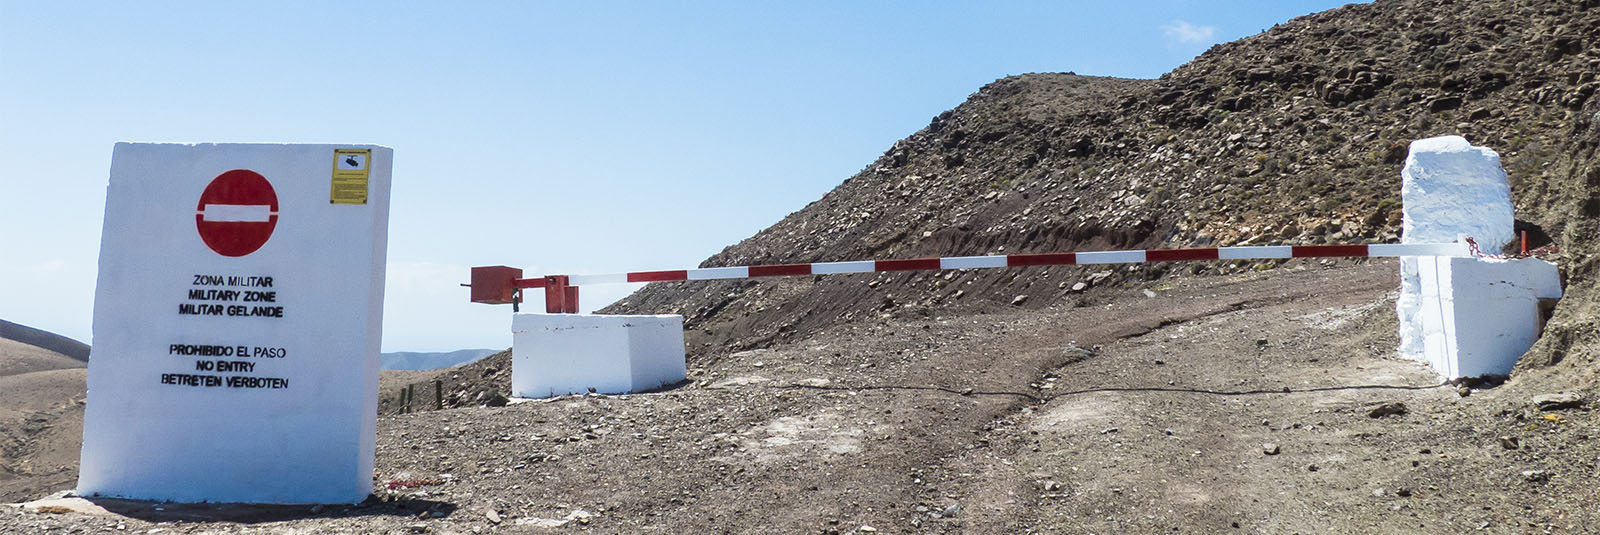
<point x="1478" y="316"/>
<point x="237" y="320"/>
<point x="559" y="354"/>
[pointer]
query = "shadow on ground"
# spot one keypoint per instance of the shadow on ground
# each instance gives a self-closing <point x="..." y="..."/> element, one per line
<point x="250" y="513"/>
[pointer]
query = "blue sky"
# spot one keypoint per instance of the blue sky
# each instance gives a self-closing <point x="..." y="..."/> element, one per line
<point x="558" y="137"/>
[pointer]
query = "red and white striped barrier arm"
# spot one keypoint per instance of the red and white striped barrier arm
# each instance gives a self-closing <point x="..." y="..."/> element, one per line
<point x="1262" y="252"/>
<point x="502" y="284"/>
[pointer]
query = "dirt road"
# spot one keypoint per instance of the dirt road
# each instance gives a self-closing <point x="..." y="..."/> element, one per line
<point x="1206" y="405"/>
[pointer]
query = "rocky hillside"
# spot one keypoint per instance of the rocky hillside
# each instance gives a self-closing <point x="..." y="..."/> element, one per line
<point x="1296" y="135"/>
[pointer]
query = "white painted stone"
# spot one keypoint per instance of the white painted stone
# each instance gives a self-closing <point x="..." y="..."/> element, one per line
<point x="1465" y="316"/>
<point x="1449" y="188"/>
<point x="559" y="354"/>
<point x="1479" y="316"/>
<point x="293" y="420"/>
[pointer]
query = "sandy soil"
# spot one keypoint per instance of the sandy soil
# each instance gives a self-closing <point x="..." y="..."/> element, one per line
<point x="41" y="429"/>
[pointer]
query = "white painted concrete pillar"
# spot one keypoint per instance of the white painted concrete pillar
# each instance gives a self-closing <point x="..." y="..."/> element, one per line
<point x="559" y="354"/>
<point x="1465" y="316"/>
<point x="237" y="319"/>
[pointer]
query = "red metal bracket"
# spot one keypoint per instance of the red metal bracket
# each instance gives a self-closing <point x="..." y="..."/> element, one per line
<point x="499" y="285"/>
<point x="559" y="297"/>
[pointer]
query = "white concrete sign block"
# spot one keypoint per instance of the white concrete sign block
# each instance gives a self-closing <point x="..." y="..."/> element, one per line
<point x="237" y="320"/>
<point x="1478" y="316"/>
<point x="559" y="354"/>
<point x="1449" y="189"/>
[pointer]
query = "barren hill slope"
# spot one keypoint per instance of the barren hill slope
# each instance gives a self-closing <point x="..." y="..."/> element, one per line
<point x="44" y="340"/>
<point x="41" y="414"/>
<point x="1296" y="135"/>
<point x="41" y="425"/>
<point x="1293" y="136"/>
<point x="19" y="358"/>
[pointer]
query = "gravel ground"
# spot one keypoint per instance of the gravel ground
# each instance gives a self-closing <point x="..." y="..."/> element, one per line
<point x="1222" y="401"/>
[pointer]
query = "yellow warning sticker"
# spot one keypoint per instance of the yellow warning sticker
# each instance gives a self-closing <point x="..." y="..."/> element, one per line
<point x="351" y="168"/>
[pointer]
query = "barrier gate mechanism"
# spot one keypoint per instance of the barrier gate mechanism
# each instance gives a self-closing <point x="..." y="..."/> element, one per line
<point x="498" y="285"/>
<point x="563" y="352"/>
<point x="1463" y="312"/>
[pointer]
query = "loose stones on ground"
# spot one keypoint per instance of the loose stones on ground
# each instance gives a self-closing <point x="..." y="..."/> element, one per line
<point x="1558" y="401"/>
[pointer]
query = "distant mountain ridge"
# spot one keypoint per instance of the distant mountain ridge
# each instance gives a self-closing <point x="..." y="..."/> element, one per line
<point x="44" y="339"/>
<point x="398" y="360"/>
<point x="413" y="360"/>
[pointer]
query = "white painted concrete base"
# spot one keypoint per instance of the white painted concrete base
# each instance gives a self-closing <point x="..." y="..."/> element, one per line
<point x="1464" y="316"/>
<point x="559" y="354"/>
<point x="1477" y="316"/>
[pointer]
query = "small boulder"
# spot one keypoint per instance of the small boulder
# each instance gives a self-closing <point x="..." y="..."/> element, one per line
<point x="1557" y="401"/>
<point x="1393" y="408"/>
<point x="1444" y="104"/>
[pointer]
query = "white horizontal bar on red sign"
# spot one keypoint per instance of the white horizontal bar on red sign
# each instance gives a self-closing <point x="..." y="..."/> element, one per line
<point x="1247" y="252"/>
<point x="236" y="213"/>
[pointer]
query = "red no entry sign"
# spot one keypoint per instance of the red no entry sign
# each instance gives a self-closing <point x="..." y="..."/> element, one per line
<point x="237" y="212"/>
